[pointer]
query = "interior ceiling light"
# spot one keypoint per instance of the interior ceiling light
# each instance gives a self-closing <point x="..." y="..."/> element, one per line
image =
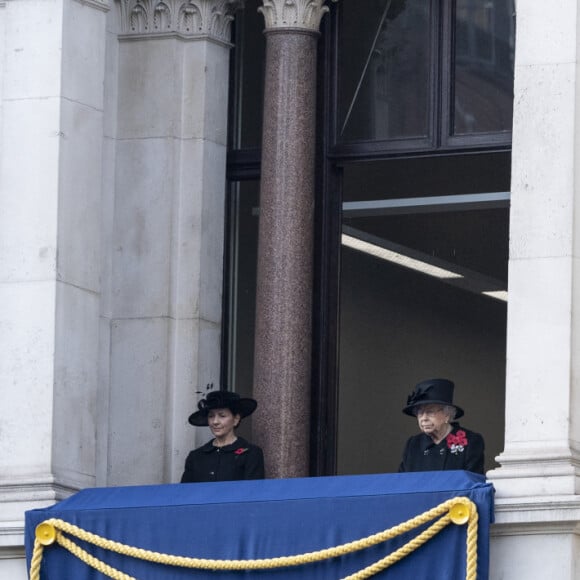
<point x="418" y="261"/>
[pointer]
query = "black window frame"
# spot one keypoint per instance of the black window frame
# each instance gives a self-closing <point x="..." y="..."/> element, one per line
<point x="441" y="140"/>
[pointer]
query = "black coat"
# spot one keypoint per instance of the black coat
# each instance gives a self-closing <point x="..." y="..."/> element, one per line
<point x="421" y="453"/>
<point x="240" y="460"/>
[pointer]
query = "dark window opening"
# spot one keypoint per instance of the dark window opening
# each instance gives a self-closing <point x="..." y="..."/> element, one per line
<point x="413" y="157"/>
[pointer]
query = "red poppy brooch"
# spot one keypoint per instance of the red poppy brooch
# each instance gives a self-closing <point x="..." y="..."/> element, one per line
<point x="457" y="442"/>
<point x="240" y="450"/>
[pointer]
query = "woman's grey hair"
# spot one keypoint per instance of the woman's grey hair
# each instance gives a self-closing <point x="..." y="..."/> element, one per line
<point x="450" y="411"/>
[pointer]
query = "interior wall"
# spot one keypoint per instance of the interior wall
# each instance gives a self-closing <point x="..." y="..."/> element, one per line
<point x="399" y="327"/>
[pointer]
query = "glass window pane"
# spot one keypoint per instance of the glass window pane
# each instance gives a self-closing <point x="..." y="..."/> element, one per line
<point x="248" y="81"/>
<point x="397" y="327"/>
<point x="426" y="176"/>
<point x="476" y="240"/>
<point x="241" y="284"/>
<point x="422" y="294"/>
<point x="384" y="70"/>
<point x="484" y="66"/>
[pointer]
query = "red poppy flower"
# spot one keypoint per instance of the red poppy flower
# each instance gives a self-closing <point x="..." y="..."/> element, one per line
<point x="461" y="438"/>
<point x="457" y="442"/>
<point x="240" y="450"/>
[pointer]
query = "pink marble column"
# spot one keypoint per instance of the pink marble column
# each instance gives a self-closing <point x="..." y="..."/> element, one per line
<point x="285" y="252"/>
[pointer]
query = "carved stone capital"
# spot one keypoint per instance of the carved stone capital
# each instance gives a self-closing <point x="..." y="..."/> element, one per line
<point x="303" y="14"/>
<point x="187" y="18"/>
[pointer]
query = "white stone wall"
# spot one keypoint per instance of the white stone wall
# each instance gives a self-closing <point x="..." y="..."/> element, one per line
<point x="541" y="555"/>
<point x="543" y="246"/>
<point x="537" y="501"/>
<point x="51" y="139"/>
<point x="163" y="302"/>
<point x="78" y="243"/>
<point x="542" y="443"/>
<point x="112" y="185"/>
<point x="51" y="69"/>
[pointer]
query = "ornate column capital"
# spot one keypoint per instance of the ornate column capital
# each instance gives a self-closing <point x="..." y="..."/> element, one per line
<point x="304" y="14"/>
<point x="186" y="18"/>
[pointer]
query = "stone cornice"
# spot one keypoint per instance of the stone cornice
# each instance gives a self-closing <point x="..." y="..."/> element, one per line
<point x="185" y="18"/>
<point x="302" y="14"/>
<point x="98" y="4"/>
<point x="537" y="515"/>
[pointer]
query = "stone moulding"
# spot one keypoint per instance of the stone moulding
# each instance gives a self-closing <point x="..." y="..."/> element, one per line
<point x="45" y="489"/>
<point x="304" y="14"/>
<point x="187" y="18"/>
<point x="98" y="4"/>
<point x="537" y="515"/>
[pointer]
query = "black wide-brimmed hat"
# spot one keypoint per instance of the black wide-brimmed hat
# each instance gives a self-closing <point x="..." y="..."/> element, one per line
<point x="222" y="400"/>
<point x="432" y="391"/>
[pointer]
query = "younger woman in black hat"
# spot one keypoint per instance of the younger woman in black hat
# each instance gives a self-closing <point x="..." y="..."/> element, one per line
<point x="227" y="457"/>
<point x="442" y="444"/>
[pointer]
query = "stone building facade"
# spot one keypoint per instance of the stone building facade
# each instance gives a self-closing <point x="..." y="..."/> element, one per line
<point x="113" y="161"/>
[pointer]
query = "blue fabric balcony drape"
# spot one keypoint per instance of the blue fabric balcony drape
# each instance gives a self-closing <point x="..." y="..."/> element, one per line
<point x="269" y="518"/>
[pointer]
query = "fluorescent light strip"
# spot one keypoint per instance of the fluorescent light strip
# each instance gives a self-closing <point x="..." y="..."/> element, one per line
<point x="468" y="280"/>
<point x="497" y="294"/>
<point x="397" y="258"/>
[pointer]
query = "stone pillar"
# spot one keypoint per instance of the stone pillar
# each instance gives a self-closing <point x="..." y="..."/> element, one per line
<point x="285" y="253"/>
<point x="542" y="447"/>
<point x="52" y="73"/>
<point x="164" y="276"/>
<point x="537" y="501"/>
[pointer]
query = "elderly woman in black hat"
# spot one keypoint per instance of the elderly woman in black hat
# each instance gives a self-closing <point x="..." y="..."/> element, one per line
<point x="442" y="444"/>
<point x="227" y="457"/>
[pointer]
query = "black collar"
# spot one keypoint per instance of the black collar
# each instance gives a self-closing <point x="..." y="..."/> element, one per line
<point x="209" y="447"/>
<point x="427" y="442"/>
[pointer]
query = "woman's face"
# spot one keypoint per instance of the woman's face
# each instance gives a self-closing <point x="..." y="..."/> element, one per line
<point x="222" y="422"/>
<point x="432" y="420"/>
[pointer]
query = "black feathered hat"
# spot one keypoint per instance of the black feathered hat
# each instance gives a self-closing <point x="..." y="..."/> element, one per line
<point x="432" y="391"/>
<point x="222" y="400"/>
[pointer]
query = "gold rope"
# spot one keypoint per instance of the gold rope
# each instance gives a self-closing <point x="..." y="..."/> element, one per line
<point x="458" y="510"/>
<point x="87" y="558"/>
<point x="401" y="552"/>
<point x="471" y="563"/>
